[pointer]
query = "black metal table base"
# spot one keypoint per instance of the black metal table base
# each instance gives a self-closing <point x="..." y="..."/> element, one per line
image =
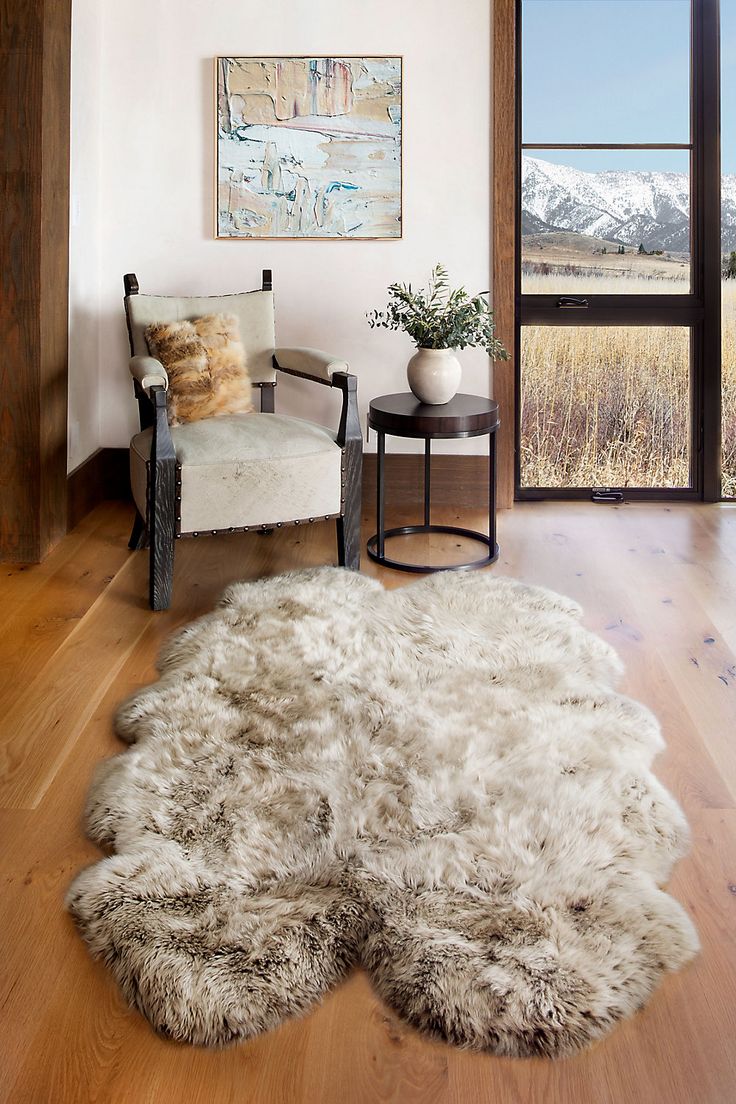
<point x="454" y="530"/>
<point x="404" y="416"/>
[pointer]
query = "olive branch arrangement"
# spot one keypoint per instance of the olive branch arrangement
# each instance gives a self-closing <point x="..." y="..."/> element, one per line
<point x="438" y="318"/>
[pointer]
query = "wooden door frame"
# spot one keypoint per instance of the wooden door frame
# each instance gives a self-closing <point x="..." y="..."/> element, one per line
<point x="503" y="222"/>
<point x="35" y="67"/>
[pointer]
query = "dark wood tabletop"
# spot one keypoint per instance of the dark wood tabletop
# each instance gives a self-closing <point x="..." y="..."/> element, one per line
<point x="405" y="416"/>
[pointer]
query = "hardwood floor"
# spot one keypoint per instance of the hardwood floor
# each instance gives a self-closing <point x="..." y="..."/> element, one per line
<point x="658" y="581"/>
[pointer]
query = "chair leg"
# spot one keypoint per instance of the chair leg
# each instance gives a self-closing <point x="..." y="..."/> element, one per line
<point x="162" y="536"/>
<point x="348" y="525"/>
<point x="160" y="569"/>
<point x="350" y="440"/>
<point x="138" y="534"/>
<point x="348" y="543"/>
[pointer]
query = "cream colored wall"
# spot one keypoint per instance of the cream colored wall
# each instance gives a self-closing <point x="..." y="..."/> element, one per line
<point x="84" y="234"/>
<point x="155" y="217"/>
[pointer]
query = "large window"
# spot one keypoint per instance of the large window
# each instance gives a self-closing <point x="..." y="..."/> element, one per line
<point x="615" y="221"/>
<point x="605" y="405"/>
<point x="605" y="195"/>
<point x="613" y="231"/>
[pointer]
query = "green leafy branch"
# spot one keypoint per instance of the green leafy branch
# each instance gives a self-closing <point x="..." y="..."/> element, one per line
<point x="438" y="318"/>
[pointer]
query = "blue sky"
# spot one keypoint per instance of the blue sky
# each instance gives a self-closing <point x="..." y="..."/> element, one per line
<point x="728" y="85"/>
<point x="617" y="71"/>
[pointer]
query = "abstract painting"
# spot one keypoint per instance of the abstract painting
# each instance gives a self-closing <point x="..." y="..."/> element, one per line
<point x="309" y="147"/>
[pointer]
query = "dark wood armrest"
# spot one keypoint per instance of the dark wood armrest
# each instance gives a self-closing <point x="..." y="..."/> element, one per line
<point x="349" y="429"/>
<point x="347" y="383"/>
<point x="310" y="364"/>
<point x="162" y="446"/>
<point x="301" y="375"/>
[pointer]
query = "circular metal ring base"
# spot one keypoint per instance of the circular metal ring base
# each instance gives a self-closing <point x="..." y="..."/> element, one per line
<point x="405" y="530"/>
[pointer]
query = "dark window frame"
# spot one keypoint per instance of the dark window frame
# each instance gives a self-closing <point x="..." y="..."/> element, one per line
<point x="700" y="309"/>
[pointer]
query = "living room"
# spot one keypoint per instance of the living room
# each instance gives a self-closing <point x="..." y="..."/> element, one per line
<point x="368" y="535"/>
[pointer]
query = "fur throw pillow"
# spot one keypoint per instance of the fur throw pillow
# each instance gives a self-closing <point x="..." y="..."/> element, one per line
<point x="205" y="362"/>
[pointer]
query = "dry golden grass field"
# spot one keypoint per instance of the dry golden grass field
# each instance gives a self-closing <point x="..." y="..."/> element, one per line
<point x="609" y="406"/>
<point x="568" y="255"/>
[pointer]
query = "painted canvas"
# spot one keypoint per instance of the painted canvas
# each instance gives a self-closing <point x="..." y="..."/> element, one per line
<point x="309" y="147"/>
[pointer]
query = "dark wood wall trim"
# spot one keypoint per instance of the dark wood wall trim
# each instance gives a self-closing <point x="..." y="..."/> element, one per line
<point x="503" y="221"/>
<point x="103" y="475"/>
<point x="457" y="480"/>
<point x="35" y="61"/>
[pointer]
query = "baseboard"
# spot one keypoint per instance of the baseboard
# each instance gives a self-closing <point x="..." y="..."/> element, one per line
<point x="456" y="480"/>
<point x="101" y="476"/>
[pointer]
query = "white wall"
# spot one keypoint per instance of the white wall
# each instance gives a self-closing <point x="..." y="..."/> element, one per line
<point x="156" y="179"/>
<point x="84" y="233"/>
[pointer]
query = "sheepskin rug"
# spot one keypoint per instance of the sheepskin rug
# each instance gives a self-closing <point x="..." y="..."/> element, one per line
<point x="438" y="783"/>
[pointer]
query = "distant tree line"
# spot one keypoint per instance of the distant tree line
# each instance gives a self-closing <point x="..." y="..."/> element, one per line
<point x="728" y="269"/>
<point x="545" y="268"/>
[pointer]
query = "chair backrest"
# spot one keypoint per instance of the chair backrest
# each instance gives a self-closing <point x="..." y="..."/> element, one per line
<point x="253" y="309"/>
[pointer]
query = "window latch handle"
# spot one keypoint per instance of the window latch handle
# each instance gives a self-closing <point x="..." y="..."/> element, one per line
<point x="605" y="494"/>
<point x="572" y="301"/>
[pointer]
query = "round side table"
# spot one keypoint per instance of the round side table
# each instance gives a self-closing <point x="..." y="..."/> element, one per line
<point x="405" y="416"/>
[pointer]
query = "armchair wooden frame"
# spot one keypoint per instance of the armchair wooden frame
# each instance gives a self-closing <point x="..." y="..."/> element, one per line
<point x="159" y="530"/>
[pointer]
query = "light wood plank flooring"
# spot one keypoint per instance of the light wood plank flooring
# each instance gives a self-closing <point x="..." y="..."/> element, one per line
<point x="659" y="582"/>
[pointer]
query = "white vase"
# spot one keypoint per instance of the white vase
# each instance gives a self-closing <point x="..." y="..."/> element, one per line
<point x="434" y="375"/>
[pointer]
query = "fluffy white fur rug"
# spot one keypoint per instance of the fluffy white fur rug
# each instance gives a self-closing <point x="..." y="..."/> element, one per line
<point x="436" y="782"/>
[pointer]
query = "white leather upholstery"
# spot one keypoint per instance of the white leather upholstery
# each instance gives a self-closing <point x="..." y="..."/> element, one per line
<point x="149" y="372"/>
<point x="253" y="309"/>
<point x="247" y="470"/>
<point x="310" y="362"/>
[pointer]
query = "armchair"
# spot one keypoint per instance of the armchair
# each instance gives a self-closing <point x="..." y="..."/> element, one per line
<point x="237" y="472"/>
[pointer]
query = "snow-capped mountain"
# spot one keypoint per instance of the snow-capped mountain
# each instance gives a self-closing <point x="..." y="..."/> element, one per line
<point x="627" y="207"/>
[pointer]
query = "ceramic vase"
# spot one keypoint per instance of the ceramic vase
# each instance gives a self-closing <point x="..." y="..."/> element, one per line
<point x="434" y="375"/>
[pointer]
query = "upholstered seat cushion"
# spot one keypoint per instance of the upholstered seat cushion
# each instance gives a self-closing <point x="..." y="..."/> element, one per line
<point x="247" y="470"/>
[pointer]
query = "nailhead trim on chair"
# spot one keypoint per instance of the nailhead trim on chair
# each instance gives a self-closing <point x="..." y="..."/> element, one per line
<point x="177" y="531"/>
<point x="257" y="528"/>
